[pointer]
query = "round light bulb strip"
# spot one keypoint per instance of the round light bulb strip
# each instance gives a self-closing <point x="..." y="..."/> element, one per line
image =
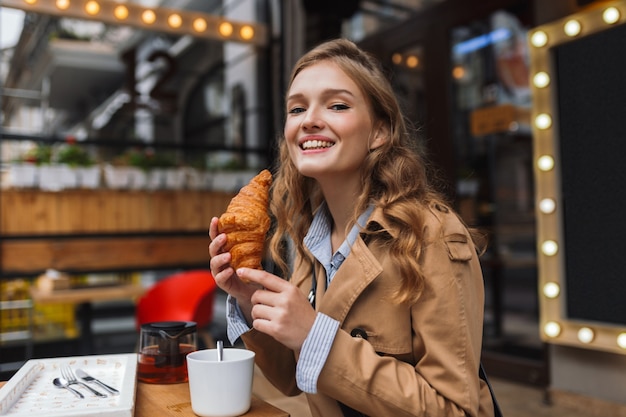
<point x="180" y="22"/>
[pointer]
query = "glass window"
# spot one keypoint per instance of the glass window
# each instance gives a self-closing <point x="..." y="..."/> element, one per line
<point x="495" y="187"/>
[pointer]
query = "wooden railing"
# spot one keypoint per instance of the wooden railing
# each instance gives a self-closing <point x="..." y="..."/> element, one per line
<point x="105" y="230"/>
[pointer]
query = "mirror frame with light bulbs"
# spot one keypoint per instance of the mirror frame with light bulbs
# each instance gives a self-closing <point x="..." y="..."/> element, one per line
<point x="555" y="326"/>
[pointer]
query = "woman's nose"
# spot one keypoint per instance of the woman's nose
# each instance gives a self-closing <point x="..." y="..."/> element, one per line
<point x="312" y="119"/>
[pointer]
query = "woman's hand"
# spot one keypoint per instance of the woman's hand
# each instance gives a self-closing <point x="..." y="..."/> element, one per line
<point x="279" y="308"/>
<point x="223" y="273"/>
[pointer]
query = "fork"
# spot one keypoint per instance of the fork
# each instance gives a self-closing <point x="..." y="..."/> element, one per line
<point x="68" y="374"/>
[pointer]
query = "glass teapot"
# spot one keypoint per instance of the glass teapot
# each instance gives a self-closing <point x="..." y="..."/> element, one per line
<point x="163" y="349"/>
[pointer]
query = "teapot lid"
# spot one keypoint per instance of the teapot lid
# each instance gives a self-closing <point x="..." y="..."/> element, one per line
<point x="171" y="328"/>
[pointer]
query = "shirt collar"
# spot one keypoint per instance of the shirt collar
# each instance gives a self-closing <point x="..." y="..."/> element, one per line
<point x="317" y="239"/>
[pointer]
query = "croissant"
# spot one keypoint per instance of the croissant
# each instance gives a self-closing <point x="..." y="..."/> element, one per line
<point x="246" y="222"/>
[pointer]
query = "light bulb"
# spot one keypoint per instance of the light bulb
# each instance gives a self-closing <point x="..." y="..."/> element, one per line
<point x="611" y="15"/>
<point x="543" y="121"/>
<point x="552" y="329"/>
<point x="549" y="248"/>
<point x="551" y="290"/>
<point x="585" y="335"/>
<point x="174" y="20"/>
<point x="92" y="7"/>
<point x="458" y="72"/>
<point x="199" y="25"/>
<point x="547" y="206"/>
<point x="225" y="29"/>
<point x="148" y="17"/>
<point x="246" y="32"/>
<point x="63" y="4"/>
<point x="541" y="79"/>
<point x="539" y="39"/>
<point x="545" y="163"/>
<point x="412" y="61"/>
<point x="572" y="27"/>
<point x="120" y="12"/>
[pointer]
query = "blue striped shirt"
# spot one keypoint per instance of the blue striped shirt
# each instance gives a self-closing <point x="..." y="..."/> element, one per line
<point x="318" y="342"/>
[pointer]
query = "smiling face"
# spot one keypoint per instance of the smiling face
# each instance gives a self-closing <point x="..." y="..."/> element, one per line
<point x="329" y="127"/>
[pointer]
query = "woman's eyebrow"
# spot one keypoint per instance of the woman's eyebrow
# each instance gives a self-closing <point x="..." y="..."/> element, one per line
<point x="336" y="91"/>
<point x="329" y="92"/>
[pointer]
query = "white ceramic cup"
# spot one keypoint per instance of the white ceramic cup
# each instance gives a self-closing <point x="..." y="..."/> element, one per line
<point x="220" y="389"/>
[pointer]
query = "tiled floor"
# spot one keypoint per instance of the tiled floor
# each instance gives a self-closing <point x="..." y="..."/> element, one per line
<point x="515" y="400"/>
<point x="518" y="400"/>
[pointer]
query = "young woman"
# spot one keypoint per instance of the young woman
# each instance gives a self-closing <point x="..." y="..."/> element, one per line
<point x="381" y="310"/>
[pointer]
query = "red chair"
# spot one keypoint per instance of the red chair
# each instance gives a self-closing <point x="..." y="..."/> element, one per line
<point x="185" y="296"/>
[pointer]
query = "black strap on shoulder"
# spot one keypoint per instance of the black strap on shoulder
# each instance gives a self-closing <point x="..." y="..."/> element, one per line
<point x="496" y="408"/>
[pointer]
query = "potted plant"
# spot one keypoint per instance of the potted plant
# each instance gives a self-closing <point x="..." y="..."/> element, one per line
<point x="38" y="155"/>
<point x="155" y="170"/>
<point x="24" y="171"/>
<point x="74" y="156"/>
<point x="79" y="167"/>
<point x="127" y="170"/>
<point x="145" y="169"/>
<point x="161" y="170"/>
<point x="174" y="175"/>
<point x="198" y="178"/>
<point x="139" y="164"/>
<point x="230" y="175"/>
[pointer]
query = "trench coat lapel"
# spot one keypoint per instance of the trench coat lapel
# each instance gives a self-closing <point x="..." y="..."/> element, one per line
<point x="357" y="272"/>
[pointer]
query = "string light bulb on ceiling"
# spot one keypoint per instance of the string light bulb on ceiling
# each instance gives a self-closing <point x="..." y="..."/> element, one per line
<point x="160" y="19"/>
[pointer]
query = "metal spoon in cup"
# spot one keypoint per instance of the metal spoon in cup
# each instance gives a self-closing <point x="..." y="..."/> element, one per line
<point x="220" y="350"/>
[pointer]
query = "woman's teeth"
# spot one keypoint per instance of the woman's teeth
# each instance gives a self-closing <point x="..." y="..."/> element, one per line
<point x="315" y="144"/>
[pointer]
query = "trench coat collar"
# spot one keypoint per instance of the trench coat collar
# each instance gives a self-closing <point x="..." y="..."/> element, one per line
<point x="356" y="273"/>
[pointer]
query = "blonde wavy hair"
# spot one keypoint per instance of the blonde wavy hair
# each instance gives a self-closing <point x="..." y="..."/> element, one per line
<point x="394" y="175"/>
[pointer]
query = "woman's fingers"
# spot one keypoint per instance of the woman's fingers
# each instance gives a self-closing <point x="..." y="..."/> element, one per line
<point x="220" y="260"/>
<point x="264" y="279"/>
<point x="213" y="228"/>
<point x="218" y="240"/>
<point x="279" y="308"/>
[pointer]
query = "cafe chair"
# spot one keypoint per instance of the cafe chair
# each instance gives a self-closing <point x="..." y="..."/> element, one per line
<point x="185" y="296"/>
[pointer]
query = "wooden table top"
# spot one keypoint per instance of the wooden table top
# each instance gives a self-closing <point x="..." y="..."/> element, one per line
<point x="87" y="294"/>
<point x="173" y="400"/>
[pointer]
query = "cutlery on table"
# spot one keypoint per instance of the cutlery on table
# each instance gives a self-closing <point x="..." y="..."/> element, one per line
<point x="68" y="374"/>
<point x="62" y="383"/>
<point x="86" y="377"/>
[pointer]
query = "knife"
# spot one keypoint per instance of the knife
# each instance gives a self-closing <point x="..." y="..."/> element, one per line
<point x="86" y="377"/>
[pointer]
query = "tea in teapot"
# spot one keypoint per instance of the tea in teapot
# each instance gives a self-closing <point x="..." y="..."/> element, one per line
<point x="163" y="349"/>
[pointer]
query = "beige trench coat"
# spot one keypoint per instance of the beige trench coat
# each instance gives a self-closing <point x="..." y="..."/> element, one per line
<point x="391" y="360"/>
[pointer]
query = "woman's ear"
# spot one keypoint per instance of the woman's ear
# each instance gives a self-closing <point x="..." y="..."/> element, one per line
<point x="380" y="137"/>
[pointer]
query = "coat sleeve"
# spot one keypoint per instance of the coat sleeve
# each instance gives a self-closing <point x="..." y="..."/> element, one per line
<point x="276" y="361"/>
<point x="440" y="376"/>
